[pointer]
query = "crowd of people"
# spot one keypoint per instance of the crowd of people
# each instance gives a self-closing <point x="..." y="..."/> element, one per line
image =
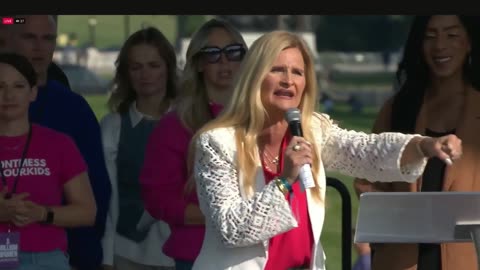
<point x="199" y="169"/>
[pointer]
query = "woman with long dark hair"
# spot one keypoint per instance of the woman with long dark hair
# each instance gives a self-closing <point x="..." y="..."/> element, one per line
<point x="440" y="94"/>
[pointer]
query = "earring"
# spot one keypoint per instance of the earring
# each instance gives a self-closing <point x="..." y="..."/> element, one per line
<point x="469" y="59"/>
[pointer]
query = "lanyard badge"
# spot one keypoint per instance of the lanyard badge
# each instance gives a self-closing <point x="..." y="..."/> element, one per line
<point x="10" y="241"/>
<point x="9" y="244"/>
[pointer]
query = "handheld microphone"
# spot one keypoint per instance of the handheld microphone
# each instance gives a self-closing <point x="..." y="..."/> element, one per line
<point x="295" y="126"/>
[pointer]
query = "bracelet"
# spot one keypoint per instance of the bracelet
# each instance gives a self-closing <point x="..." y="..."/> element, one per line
<point x="286" y="184"/>
<point x="419" y="149"/>
<point x="280" y="185"/>
<point x="283" y="185"/>
<point x="48" y="216"/>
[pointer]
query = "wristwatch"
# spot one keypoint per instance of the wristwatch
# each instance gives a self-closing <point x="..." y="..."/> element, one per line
<point x="49" y="217"/>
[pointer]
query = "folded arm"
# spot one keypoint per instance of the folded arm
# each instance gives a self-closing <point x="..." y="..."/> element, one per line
<point x="239" y="221"/>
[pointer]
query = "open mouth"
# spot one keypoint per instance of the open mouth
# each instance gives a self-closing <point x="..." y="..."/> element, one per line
<point x="284" y="93"/>
<point x="442" y="59"/>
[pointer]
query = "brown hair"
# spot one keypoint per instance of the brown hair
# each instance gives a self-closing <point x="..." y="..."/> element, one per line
<point x="123" y="94"/>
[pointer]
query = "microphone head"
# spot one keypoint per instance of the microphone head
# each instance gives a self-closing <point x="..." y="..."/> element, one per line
<point x="293" y="114"/>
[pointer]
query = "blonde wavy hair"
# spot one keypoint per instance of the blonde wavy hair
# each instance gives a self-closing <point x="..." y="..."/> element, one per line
<point x="246" y="113"/>
<point x="192" y="104"/>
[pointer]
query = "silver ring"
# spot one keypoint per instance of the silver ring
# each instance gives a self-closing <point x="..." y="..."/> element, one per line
<point x="449" y="161"/>
<point x="297" y="147"/>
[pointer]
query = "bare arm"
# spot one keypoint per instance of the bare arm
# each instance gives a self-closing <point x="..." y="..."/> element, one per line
<point x="81" y="207"/>
<point x="411" y="154"/>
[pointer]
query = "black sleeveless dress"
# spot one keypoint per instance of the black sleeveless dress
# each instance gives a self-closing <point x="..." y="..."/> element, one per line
<point x="429" y="255"/>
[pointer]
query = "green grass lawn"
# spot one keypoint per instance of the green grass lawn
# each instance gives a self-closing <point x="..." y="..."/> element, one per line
<point x="110" y="29"/>
<point x="331" y="235"/>
<point x="98" y="104"/>
<point x="362" y="78"/>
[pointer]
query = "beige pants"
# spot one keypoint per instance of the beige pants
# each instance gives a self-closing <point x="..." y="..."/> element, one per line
<point x="121" y="263"/>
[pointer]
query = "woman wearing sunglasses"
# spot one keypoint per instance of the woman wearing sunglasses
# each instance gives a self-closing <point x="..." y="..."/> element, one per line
<point x="213" y="59"/>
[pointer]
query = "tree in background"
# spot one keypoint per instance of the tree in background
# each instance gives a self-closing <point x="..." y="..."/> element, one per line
<point x="354" y="33"/>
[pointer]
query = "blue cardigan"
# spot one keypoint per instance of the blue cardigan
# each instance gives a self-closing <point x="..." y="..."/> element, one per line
<point x="61" y="109"/>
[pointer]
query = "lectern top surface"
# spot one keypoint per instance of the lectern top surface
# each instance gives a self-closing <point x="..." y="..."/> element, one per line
<point x="416" y="217"/>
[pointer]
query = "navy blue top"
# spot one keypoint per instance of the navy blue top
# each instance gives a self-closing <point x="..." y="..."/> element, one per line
<point x="61" y="109"/>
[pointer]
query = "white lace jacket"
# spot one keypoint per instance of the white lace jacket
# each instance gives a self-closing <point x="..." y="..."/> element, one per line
<point x="239" y="226"/>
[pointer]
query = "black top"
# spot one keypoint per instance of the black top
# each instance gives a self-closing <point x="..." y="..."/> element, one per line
<point x="130" y="155"/>
<point x="429" y="255"/>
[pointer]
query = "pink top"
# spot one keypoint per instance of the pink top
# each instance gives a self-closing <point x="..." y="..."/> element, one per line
<point x="51" y="161"/>
<point x="163" y="179"/>
<point x="292" y="249"/>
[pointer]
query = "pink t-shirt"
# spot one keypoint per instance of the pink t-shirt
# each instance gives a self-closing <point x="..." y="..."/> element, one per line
<point x="52" y="160"/>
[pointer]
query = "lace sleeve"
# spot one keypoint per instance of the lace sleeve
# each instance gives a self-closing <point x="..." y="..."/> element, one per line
<point x="375" y="157"/>
<point x="240" y="222"/>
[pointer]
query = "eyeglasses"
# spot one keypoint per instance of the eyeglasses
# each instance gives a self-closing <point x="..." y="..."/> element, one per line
<point x="233" y="52"/>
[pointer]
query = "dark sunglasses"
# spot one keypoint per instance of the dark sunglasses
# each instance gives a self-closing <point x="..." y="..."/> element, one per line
<point x="233" y="52"/>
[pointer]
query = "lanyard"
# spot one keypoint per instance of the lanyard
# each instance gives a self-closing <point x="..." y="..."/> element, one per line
<point x="25" y="150"/>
